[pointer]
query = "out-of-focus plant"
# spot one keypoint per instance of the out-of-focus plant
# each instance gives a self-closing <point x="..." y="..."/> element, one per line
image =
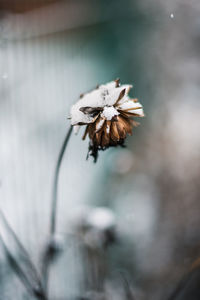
<point x="95" y="231"/>
<point x="20" y="261"/>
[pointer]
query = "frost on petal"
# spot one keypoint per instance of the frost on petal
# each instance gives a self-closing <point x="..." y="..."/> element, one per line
<point x="138" y="112"/>
<point x="106" y="95"/>
<point x="109" y="86"/>
<point x="104" y="101"/>
<point x="127" y="87"/>
<point x="78" y="117"/>
<point x="109" y="112"/>
<point x="124" y="99"/>
<point x="113" y="96"/>
<point x="108" y="128"/>
<point x="128" y="105"/>
<point x="132" y="107"/>
<point x="99" y="124"/>
<point x="92" y="99"/>
<point x="123" y="91"/>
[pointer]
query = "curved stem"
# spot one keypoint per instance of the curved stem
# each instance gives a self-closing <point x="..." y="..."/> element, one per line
<point x="50" y="250"/>
<point x="55" y="183"/>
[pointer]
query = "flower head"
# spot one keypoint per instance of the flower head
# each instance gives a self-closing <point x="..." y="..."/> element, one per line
<point x="107" y="113"/>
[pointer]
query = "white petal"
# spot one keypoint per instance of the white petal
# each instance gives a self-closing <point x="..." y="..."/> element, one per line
<point x="124" y="99"/>
<point x="113" y="95"/>
<point x="139" y="112"/>
<point x="105" y="95"/>
<point x="110" y="85"/>
<point x="130" y="104"/>
<point x="79" y="117"/>
<point x="127" y="87"/>
<point x="132" y="107"/>
<point x="92" y="99"/>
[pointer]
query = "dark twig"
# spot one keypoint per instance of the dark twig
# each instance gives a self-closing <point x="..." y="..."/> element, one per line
<point x="24" y="268"/>
<point x="51" y="249"/>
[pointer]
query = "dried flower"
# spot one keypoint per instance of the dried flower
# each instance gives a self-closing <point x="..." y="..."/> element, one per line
<point x="107" y="111"/>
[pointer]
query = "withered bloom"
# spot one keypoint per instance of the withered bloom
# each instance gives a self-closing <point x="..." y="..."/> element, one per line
<point x="108" y="114"/>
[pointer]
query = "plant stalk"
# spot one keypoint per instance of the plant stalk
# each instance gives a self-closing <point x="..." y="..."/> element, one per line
<point x="55" y="183"/>
<point x="50" y="251"/>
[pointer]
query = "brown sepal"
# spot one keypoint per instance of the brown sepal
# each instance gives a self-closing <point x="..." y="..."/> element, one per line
<point x="117" y="81"/>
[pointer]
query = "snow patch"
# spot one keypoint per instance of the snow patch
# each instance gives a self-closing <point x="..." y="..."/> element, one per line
<point x="100" y="124"/>
<point x="105" y="95"/>
<point x="109" y="112"/>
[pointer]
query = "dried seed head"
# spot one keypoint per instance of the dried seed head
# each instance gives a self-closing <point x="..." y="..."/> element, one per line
<point x="107" y="113"/>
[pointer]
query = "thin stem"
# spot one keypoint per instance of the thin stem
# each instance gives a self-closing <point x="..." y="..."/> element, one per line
<point x="55" y="183"/>
<point x="51" y="251"/>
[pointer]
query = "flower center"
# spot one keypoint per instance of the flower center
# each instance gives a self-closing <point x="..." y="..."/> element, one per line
<point x="109" y="112"/>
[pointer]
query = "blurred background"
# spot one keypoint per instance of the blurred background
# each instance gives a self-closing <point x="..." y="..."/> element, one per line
<point x="134" y="214"/>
